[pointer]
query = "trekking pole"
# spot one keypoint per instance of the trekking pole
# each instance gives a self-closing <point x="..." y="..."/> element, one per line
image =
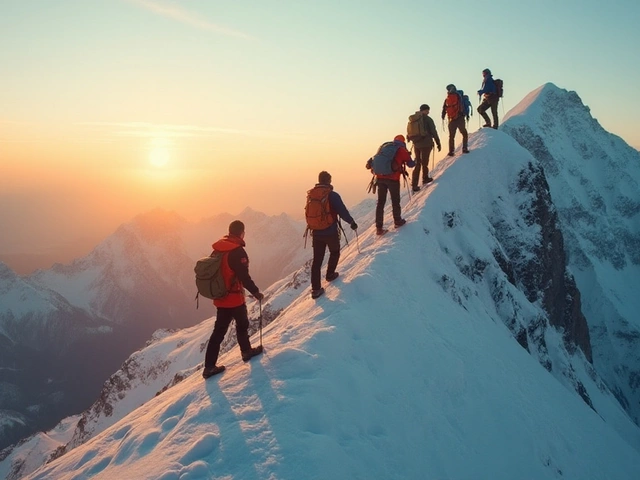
<point x="357" y="240"/>
<point x="406" y="183"/>
<point x="372" y="183"/>
<point x="260" y="321"/>
<point x="344" y="234"/>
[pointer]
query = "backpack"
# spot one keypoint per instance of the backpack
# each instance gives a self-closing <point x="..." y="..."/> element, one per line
<point x="317" y="210"/>
<point x="466" y="104"/>
<point x="498" y="83"/>
<point x="209" y="279"/>
<point x="453" y="105"/>
<point x="415" y="126"/>
<point x="382" y="162"/>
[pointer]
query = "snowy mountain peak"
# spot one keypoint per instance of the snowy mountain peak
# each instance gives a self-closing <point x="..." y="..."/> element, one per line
<point x="6" y="272"/>
<point x="156" y="224"/>
<point x="594" y="181"/>
<point x="555" y="104"/>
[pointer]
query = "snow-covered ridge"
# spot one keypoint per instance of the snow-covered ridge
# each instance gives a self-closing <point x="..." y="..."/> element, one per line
<point x="436" y="354"/>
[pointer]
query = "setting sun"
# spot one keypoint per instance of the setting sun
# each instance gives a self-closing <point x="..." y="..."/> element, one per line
<point x="159" y="155"/>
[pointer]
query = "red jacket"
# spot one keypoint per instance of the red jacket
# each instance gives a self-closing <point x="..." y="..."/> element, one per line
<point x="235" y="271"/>
<point x="402" y="156"/>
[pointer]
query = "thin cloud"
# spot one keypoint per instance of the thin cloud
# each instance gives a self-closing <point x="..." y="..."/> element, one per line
<point x="180" y="14"/>
<point x="146" y="129"/>
<point x="152" y="130"/>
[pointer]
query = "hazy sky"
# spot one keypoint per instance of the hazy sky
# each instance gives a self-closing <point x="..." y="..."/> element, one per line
<point x="109" y="108"/>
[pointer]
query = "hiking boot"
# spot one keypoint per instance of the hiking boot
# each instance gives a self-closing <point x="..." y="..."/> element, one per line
<point x="211" y="371"/>
<point x="465" y="150"/>
<point x="331" y="277"/>
<point x="428" y="180"/>
<point x="450" y="154"/>
<point x="495" y="127"/>
<point x="381" y="231"/>
<point x="317" y="293"/>
<point x="416" y="188"/>
<point x="400" y="223"/>
<point x="249" y="354"/>
<point x="486" y="125"/>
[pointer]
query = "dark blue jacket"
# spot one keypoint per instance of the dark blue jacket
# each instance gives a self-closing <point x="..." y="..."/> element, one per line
<point x="488" y="86"/>
<point x="337" y="207"/>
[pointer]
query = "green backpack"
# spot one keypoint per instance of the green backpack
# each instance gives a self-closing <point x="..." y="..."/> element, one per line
<point x="209" y="280"/>
<point x="415" y="127"/>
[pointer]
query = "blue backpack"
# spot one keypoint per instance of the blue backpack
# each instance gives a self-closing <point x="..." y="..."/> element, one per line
<point x="382" y="162"/>
<point x="466" y="104"/>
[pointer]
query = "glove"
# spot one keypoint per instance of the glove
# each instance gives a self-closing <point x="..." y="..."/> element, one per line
<point x="258" y="296"/>
<point x="479" y="92"/>
<point x="467" y="118"/>
<point x="369" y="164"/>
<point x="354" y="225"/>
<point x="439" y="147"/>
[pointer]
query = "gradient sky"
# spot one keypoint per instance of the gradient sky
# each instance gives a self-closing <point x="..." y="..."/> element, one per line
<point x="109" y="108"/>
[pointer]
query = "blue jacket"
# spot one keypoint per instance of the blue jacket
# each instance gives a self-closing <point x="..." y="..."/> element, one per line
<point x="488" y="86"/>
<point x="337" y="207"/>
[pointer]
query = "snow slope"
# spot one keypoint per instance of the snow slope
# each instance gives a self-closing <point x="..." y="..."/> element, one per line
<point x="425" y="359"/>
<point x="107" y="304"/>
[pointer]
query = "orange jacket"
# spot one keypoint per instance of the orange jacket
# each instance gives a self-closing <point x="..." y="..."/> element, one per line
<point x="235" y="271"/>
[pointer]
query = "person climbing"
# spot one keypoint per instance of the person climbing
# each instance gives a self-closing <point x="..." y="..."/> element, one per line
<point x="490" y="99"/>
<point x="387" y="165"/>
<point x="235" y="271"/>
<point x="322" y="210"/>
<point x="453" y="109"/>
<point x="422" y="135"/>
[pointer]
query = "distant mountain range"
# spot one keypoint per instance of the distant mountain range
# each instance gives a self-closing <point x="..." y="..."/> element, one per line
<point x="64" y="330"/>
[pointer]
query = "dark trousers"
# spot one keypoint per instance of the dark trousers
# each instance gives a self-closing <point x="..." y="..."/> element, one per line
<point x="422" y="162"/>
<point x="457" y="124"/>
<point x="223" y="320"/>
<point x="320" y="244"/>
<point x="393" y="187"/>
<point x="490" y="102"/>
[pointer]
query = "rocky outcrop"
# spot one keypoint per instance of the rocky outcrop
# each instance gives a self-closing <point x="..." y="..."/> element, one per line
<point x="543" y="271"/>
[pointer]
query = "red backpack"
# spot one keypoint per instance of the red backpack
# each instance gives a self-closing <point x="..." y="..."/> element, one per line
<point x="453" y="105"/>
<point x="317" y="211"/>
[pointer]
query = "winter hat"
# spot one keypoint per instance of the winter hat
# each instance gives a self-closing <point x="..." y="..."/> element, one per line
<point x="324" y="178"/>
<point x="486" y="71"/>
<point x="399" y="138"/>
<point x="424" y="106"/>
<point x="451" y="88"/>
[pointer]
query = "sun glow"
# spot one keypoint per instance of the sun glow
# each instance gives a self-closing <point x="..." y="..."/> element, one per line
<point x="159" y="154"/>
